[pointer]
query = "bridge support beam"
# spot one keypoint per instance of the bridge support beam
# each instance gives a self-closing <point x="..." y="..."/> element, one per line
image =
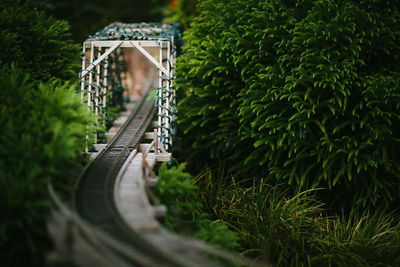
<point x="101" y="55"/>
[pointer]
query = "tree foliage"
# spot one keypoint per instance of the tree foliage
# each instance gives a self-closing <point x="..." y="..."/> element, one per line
<point x="43" y="128"/>
<point x="39" y="44"/>
<point x="42" y="122"/>
<point x="306" y="93"/>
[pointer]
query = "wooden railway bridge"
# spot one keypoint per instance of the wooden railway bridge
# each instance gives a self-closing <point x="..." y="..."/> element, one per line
<point x="112" y="221"/>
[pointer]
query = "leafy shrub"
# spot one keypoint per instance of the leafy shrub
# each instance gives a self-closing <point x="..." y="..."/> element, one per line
<point x="176" y="190"/>
<point x="294" y="230"/>
<point x="43" y="128"/>
<point x="305" y="93"/>
<point x="38" y="43"/>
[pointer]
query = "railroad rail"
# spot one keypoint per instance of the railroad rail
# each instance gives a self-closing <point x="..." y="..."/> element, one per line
<point x="100" y="229"/>
<point x="113" y="221"/>
<point x="94" y="200"/>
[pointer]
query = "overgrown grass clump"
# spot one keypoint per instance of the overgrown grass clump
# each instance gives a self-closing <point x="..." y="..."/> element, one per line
<point x="276" y="227"/>
<point x="273" y="226"/>
<point x="304" y="93"/>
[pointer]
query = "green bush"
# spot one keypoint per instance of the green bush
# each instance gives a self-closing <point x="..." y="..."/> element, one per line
<point x="175" y="189"/>
<point x="305" y="93"/>
<point x="43" y="128"/>
<point x="38" y="43"/>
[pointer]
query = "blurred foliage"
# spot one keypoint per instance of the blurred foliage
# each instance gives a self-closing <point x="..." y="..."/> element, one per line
<point x="305" y="93"/>
<point x="42" y="122"/>
<point x="86" y="17"/>
<point x="39" y="44"/>
<point x="175" y="189"/>
<point x="43" y="128"/>
<point x="294" y="230"/>
<point x="184" y="11"/>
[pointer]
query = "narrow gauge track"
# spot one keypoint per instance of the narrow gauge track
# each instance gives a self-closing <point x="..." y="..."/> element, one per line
<point x="93" y="200"/>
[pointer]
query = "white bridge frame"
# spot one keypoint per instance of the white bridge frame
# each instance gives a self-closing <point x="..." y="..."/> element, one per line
<point x="95" y="67"/>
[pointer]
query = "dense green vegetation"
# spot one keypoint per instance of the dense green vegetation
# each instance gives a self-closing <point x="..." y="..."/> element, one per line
<point x="298" y="103"/>
<point x="273" y="226"/>
<point x="43" y="130"/>
<point x="304" y="93"/>
<point x="38" y="43"/>
<point x="293" y="230"/>
<point x="43" y="123"/>
<point x="176" y="190"/>
<point x="43" y="126"/>
<point x="292" y="105"/>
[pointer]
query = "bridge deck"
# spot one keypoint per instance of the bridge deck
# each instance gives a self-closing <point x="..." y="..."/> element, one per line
<point x="136" y="210"/>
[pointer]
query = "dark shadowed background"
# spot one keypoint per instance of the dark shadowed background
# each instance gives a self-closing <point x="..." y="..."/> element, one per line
<point x="87" y="17"/>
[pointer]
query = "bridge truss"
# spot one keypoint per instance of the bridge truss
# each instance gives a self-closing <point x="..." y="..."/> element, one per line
<point x="103" y="69"/>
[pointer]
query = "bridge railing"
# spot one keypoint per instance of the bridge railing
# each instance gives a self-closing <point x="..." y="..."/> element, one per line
<point x="103" y="69"/>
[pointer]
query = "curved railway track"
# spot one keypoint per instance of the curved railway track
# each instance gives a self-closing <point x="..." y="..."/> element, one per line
<point x="96" y="233"/>
<point x="99" y="232"/>
<point x="94" y="199"/>
<point x="95" y="185"/>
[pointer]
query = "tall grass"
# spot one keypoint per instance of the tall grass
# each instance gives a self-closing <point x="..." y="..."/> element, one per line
<point x="295" y="230"/>
<point x="363" y="239"/>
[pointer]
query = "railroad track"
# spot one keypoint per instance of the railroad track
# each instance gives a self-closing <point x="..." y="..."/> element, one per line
<point x="94" y="202"/>
<point x="97" y="231"/>
<point x="94" y="195"/>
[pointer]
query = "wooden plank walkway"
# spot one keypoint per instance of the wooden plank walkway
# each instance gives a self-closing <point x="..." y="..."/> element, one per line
<point x="136" y="210"/>
<point x="130" y="195"/>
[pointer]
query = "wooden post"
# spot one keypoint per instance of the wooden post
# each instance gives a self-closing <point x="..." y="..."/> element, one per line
<point x="83" y="77"/>
<point x="89" y="103"/>
<point x="97" y="90"/>
<point x="155" y="142"/>
<point x="168" y="95"/>
<point x="83" y="86"/>
<point x="104" y="92"/>
<point x="160" y="86"/>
